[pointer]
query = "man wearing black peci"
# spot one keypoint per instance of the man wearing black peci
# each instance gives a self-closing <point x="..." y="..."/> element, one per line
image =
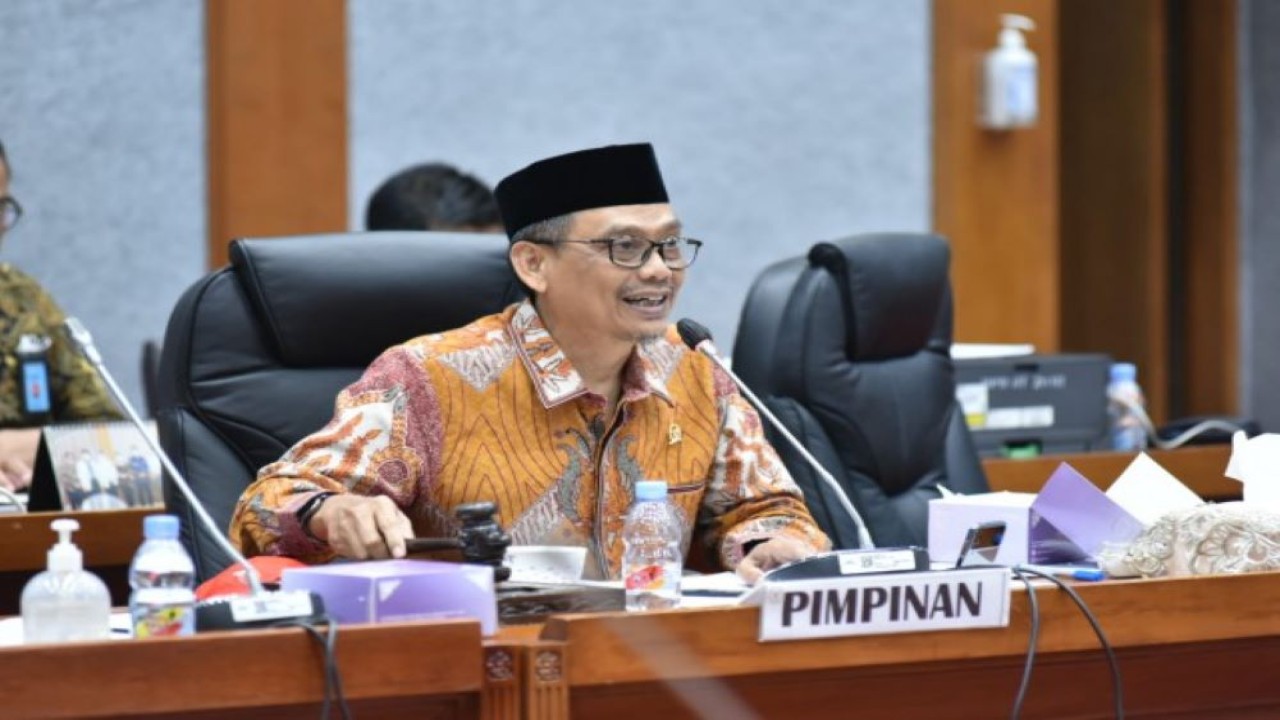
<point x="554" y="408"/>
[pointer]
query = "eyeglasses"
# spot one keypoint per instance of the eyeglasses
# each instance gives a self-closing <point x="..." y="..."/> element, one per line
<point x="677" y="253"/>
<point x="10" y="213"/>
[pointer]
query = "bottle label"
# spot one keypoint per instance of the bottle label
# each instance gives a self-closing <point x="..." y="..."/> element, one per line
<point x="1020" y="93"/>
<point x="647" y="577"/>
<point x="163" y="621"/>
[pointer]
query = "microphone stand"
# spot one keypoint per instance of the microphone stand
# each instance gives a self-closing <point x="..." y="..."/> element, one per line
<point x="864" y="537"/>
<point x="867" y="558"/>
<point x="701" y="342"/>
<point x="264" y="606"/>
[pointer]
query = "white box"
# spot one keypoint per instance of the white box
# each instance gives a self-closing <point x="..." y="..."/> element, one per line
<point x="951" y="517"/>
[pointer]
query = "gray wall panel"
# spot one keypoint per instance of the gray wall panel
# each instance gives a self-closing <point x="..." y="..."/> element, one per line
<point x="777" y="124"/>
<point x="1260" y="236"/>
<point x="102" y="112"/>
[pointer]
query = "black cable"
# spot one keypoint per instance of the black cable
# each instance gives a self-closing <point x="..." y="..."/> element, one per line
<point x="332" y="678"/>
<point x="1031" y="645"/>
<point x="328" y="643"/>
<point x="331" y="655"/>
<point x="1153" y="436"/>
<point x="1117" y="685"/>
<point x="328" y="698"/>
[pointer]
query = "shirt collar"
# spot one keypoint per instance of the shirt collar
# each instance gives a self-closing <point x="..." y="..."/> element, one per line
<point x="558" y="382"/>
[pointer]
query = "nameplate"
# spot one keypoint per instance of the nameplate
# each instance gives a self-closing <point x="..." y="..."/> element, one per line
<point x="889" y="603"/>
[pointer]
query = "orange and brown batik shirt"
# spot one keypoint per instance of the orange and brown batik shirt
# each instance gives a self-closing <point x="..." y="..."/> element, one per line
<point x="494" y="411"/>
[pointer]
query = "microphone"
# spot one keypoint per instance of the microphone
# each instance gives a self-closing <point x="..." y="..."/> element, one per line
<point x="698" y="338"/>
<point x="260" y="607"/>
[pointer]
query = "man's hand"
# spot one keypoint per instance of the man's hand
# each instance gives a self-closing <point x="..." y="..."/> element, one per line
<point x="17" y="455"/>
<point x="361" y="527"/>
<point x="769" y="555"/>
<point x="14" y="474"/>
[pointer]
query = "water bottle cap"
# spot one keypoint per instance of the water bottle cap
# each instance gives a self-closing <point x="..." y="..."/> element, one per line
<point x="651" y="490"/>
<point x="1121" y="372"/>
<point x="160" y="527"/>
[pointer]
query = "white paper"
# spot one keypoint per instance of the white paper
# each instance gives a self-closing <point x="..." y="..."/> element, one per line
<point x="715" y="590"/>
<point x="969" y="351"/>
<point x="11" y="629"/>
<point x="715" y="582"/>
<point x="1256" y="463"/>
<point x="1147" y="491"/>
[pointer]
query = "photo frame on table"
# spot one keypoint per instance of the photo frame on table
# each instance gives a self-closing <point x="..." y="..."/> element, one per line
<point x="95" y="466"/>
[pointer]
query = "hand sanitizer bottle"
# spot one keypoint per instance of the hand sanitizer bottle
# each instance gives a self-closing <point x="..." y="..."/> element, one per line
<point x="1010" y="78"/>
<point x="65" y="603"/>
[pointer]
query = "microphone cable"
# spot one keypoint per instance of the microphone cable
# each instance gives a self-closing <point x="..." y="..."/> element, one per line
<point x="1117" y="683"/>
<point x="333" y="694"/>
<point x="1186" y="436"/>
<point x="11" y="498"/>
<point x="1030" y="663"/>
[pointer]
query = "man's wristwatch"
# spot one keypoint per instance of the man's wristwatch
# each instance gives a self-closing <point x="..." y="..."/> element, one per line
<point x="309" y="510"/>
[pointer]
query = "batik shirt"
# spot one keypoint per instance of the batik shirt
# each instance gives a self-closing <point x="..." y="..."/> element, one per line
<point x="494" y="411"/>
<point x="26" y="309"/>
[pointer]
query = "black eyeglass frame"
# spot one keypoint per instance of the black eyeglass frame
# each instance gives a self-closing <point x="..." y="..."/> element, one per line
<point x="678" y="242"/>
<point x="9" y="207"/>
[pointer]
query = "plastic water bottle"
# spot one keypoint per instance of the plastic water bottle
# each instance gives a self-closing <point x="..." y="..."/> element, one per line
<point x="652" y="558"/>
<point x="162" y="576"/>
<point x="65" y="603"/>
<point x="1123" y="394"/>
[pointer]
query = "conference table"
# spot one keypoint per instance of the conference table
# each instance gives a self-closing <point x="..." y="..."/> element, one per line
<point x="110" y="537"/>
<point x="1204" y="647"/>
<point x="393" y="671"/>
<point x="1188" y="648"/>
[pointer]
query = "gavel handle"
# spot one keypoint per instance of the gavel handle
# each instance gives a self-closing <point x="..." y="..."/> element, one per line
<point x="417" y="545"/>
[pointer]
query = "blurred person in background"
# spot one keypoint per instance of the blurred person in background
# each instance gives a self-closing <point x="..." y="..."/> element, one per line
<point x="69" y="391"/>
<point x="433" y="196"/>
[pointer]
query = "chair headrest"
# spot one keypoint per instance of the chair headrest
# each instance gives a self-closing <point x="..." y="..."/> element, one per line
<point x="392" y="285"/>
<point x="893" y="286"/>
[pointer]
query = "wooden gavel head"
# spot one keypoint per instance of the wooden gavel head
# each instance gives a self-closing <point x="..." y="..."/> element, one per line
<point x="480" y="538"/>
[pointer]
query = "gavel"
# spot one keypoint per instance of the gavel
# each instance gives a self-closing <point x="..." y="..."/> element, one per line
<point x="481" y="540"/>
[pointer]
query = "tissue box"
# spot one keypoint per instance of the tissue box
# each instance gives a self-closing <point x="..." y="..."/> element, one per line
<point x="951" y="517"/>
<point x="400" y="590"/>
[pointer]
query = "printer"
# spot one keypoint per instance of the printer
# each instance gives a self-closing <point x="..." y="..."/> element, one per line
<point x="1028" y="405"/>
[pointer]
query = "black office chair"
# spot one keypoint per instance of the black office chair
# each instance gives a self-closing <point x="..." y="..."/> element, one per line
<point x="256" y="352"/>
<point x="850" y="347"/>
<point x="150" y="376"/>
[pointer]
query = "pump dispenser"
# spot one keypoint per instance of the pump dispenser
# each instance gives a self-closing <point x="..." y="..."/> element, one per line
<point x="1010" y="78"/>
<point x="65" y="602"/>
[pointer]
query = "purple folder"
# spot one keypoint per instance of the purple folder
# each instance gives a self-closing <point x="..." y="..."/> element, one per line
<point x="1071" y="519"/>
